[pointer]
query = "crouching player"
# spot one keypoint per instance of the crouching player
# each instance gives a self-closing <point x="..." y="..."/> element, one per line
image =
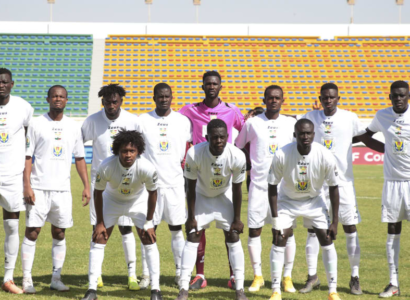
<point x="121" y="186"/>
<point x="303" y="167"/>
<point x="215" y="171"/>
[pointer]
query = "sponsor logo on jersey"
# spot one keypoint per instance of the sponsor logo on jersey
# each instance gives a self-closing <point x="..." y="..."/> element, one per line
<point x="112" y="151"/>
<point x="163" y="131"/>
<point x="217" y="172"/>
<point x="3" y="121"/>
<point x="163" y="146"/>
<point x="303" y="185"/>
<point x="57" y="151"/>
<point x="57" y="135"/>
<point x="273" y="148"/>
<point x="328" y="144"/>
<point x="217" y="182"/>
<point x="4" y="137"/>
<point x="399" y="146"/>
<point x="187" y="167"/>
<point x="125" y="191"/>
<point x="213" y="117"/>
<point x="126" y="181"/>
<point x="113" y="133"/>
<point x="98" y="179"/>
<point x="155" y="177"/>
<point x="243" y="170"/>
<point x="27" y="142"/>
<point x="398" y="130"/>
<point x="272" y="134"/>
<point x="328" y="128"/>
<point x="302" y="170"/>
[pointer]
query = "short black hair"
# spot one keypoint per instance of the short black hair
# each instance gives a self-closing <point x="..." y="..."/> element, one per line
<point x="125" y="137"/>
<point x="329" y="86"/>
<point x="112" y="89"/>
<point x="211" y="73"/>
<point x="56" y="86"/>
<point x="161" y="86"/>
<point x="304" y="121"/>
<point x="216" y="123"/>
<point x="258" y="110"/>
<point x="272" y="87"/>
<point x="6" y="71"/>
<point x="399" y="84"/>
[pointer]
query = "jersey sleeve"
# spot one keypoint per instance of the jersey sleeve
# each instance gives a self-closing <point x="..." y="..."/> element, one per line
<point x="28" y="116"/>
<point x="30" y="140"/>
<point x="78" y="150"/>
<point x="191" y="168"/>
<point x="298" y="117"/>
<point x="150" y="178"/>
<point x="188" y="128"/>
<point x="239" y="119"/>
<point x="331" y="171"/>
<point x="239" y="169"/>
<point x="276" y="170"/>
<point x="358" y="127"/>
<point x="243" y="135"/>
<point x="87" y="130"/>
<point x="101" y="178"/>
<point x="375" y="124"/>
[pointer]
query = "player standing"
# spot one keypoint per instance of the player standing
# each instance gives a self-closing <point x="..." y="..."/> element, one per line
<point x="15" y="115"/>
<point x="52" y="138"/>
<point x="121" y="186"/>
<point x="166" y="133"/>
<point x="303" y="167"/>
<point x="266" y="133"/>
<point x="215" y="171"/>
<point x="394" y="123"/>
<point x="101" y="128"/>
<point x="335" y="129"/>
<point x="200" y="114"/>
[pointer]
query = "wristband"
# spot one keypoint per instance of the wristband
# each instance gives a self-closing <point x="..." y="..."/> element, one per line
<point x="148" y="225"/>
<point x="277" y="225"/>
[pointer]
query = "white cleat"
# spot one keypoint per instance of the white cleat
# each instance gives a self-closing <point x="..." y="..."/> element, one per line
<point x="28" y="287"/>
<point x="144" y="282"/>
<point x="57" y="285"/>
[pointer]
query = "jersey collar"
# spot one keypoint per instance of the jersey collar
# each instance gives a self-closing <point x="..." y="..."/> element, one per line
<point x="108" y="120"/>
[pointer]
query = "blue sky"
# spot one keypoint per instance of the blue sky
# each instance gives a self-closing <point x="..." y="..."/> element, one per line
<point x="211" y="11"/>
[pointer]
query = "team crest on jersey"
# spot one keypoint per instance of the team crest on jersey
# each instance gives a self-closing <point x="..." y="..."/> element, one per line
<point x="302" y="170"/>
<point x="328" y="129"/>
<point x="125" y="191"/>
<point x="273" y="148"/>
<point x="187" y="167"/>
<point x="328" y="144"/>
<point x="217" y="183"/>
<point x="98" y="179"/>
<point x="398" y="130"/>
<point x="398" y="146"/>
<point x="163" y="146"/>
<point x="57" y="135"/>
<point x="272" y="134"/>
<point x="27" y="142"/>
<point x="4" y="137"/>
<point x="3" y="121"/>
<point x="217" y="172"/>
<point x="57" y="151"/>
<point x="303" y="186"/>
<point x="126" y="181"/>
<point x="113" y="132"/>
<point x="162" y="131"/>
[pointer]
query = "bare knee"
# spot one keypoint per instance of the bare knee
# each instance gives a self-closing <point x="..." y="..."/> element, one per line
<point x="394" y="228"/>
<point x="349" y="228"/>
<point x="231" y="237"/>
<point x="195" y="237"/>
<point x="32" y="233"/>
<point x="125" y="229"/>
<point x="255" y="232"/>
<point x="175" y="228"/>
<point x="58" y="233"/>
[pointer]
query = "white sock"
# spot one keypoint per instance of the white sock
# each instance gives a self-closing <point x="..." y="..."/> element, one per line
<point x="28" y="250"/>
<point x="329" y="256"/>
<point x="11" y="247"/>
<point x="128" y="244"/>
<point x="312" y="252"/>
<point x="255" y="253"/>
<point x="188" y="263"/>
<point x="152" y="255"/>
<point x="393" y="251"/>
<point x="237" y="260"/>
<point x="177" y="246"/>
<point x="353" y="251"/>
<point x="290" y="252"/>
<point x="95" y="264"/>
<point x="145" y="270"/>
<point x="58" y="254"/>
<point x="277" y="258"/>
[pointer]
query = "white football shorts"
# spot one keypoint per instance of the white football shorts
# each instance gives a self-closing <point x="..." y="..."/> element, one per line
<point x="171" y="206"/>
<point x="54" y="207"/>
<point x="11" y="193"/>
<point x="395" y="201"/>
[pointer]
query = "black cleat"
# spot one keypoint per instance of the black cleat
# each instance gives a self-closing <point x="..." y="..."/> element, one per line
<point x="183" y="295"/>
<point x="156" y="295"/>
<point x="90" y="295"/>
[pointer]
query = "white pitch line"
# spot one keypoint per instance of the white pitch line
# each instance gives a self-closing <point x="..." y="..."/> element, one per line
<point x="369" y="197"/>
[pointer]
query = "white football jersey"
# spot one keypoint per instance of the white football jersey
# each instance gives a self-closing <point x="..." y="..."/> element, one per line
<point x="53" y="144"/>
<point x="336" y="133"/>
<point x="396" y="130"/>
<point x="165" y="144"/>
<point x="14" y="116"/>
<point x="265" y="137"/>
<point x="214" y="174"/>
<point x="302" y="176"/>
<point x="125" y="184"/>
<point x="102" y="130"/>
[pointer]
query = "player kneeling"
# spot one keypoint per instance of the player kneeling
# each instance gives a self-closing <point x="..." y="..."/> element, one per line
<point x="215" y="171"/>
<point x="121" y="189"/>
<point x="303" y="166"/>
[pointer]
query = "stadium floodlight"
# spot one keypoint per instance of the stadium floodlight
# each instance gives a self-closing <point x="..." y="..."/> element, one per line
<point x="51" y="2"/>
<point x="400" y="3"/>
<point x="149" y="3"/>
<point x="197" y="3"/>
<point x="351" y="3"/>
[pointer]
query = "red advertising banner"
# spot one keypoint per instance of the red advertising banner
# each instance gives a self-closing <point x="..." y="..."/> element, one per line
<point x="366" y="156"/>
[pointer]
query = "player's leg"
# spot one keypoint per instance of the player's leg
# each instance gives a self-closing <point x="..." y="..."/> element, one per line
<point x="58" y="253"/>
<point x="129" y="244"/>
<point x="312" y="251"/>
<point x="145" y="281"/>
<point x="199" y="280"/>
<point x="290" y="253"/>
<point x="255" y="253"/>
<point x="177" y="246"/>
<point x="28" y="250"/>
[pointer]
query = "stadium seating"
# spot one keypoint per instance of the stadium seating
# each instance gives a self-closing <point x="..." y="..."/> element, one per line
<point x="362" y="67"/>
<point x="40" y="61"/>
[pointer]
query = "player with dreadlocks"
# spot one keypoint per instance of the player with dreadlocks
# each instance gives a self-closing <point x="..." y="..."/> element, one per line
<point x="100" y="128"/>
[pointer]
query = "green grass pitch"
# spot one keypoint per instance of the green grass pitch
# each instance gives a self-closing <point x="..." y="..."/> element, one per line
<point x="374" y="273"/>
